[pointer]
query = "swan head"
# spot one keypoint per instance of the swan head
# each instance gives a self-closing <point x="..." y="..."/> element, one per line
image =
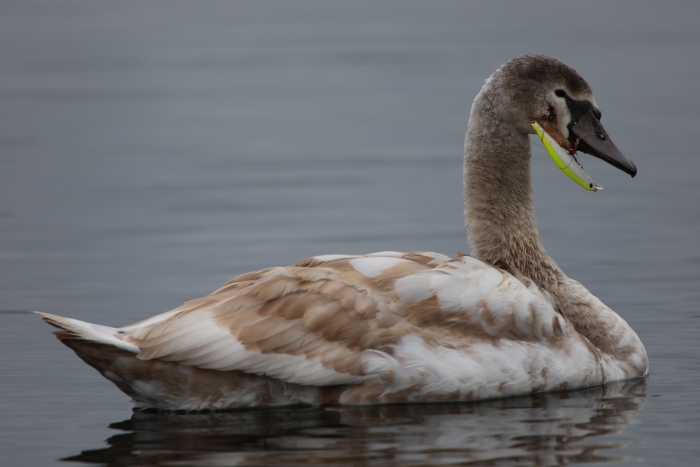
<point x="539" y="94"/>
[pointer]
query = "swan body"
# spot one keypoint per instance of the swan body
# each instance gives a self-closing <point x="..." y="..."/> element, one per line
<point x="400" y="327"/>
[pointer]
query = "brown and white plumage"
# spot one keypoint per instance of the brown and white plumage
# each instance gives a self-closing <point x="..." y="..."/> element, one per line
<point x="392" y="327"/>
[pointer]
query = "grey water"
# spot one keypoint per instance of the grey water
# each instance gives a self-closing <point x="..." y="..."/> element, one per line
<point x="149" y="151"/>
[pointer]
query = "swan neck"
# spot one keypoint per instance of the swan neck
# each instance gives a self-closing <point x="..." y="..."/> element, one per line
<point x="498" y="198"/>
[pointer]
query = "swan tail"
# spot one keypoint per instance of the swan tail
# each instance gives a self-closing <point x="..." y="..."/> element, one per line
<point x="158" y="384"/>
<point x="73" y="329"/>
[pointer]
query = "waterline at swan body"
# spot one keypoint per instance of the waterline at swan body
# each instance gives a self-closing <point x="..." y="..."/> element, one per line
<point x="401" y="327"/>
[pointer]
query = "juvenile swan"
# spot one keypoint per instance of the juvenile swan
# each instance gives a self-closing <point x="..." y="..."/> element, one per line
<point x="402" y="327"/>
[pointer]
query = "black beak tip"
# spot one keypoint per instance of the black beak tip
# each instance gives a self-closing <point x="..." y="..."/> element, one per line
<point x="591" y="138"/>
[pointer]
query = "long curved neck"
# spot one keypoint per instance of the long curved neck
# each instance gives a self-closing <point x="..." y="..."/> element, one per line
<point x="499" y="207"/>
<point x="499" y="214"/>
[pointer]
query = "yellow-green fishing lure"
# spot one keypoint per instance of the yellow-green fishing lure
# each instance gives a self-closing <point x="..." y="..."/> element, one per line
<point x="565" y="161"/>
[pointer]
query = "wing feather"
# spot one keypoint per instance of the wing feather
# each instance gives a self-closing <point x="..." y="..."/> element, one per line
<point x="339" y="319"/>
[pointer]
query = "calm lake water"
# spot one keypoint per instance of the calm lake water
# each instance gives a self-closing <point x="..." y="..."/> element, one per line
<point x="151" y="151"/>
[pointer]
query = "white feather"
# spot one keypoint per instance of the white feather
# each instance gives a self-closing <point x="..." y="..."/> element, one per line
<point x="333" y="257"/>
<point x="373" y="266"/>
<point x="414" y="288"/>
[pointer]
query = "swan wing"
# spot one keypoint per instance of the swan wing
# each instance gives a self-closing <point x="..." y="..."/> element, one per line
<point x="339" y="319"/>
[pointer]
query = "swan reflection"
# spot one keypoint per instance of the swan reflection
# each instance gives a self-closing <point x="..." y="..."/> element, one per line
<point x="549" y="429"/>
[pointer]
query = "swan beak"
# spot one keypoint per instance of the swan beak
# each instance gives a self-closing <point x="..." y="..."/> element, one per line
<point x="588" y="135"/>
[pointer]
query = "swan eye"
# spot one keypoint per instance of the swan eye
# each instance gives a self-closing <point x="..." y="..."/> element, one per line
<point x="560" y="93"/>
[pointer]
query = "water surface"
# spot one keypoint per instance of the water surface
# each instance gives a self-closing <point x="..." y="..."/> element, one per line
<point x="552" y="429"/>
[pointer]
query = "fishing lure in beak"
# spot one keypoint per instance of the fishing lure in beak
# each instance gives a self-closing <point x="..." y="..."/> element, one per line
<point x="565" y="161"/>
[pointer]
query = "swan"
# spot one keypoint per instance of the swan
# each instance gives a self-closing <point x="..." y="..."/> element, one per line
<point x="394" y="327"/>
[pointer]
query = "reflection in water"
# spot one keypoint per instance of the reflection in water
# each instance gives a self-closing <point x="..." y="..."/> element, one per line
<point x="542" y="430"/>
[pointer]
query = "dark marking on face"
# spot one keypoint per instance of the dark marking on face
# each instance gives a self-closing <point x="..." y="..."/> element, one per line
<point x="578" y="109"/>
